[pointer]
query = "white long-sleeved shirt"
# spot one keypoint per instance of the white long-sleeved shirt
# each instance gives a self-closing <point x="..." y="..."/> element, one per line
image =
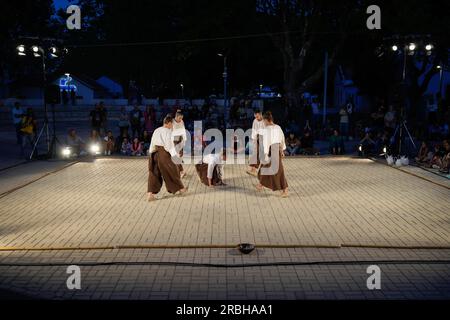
<point x="178" y="131"/>
<point x="257" y="128"/>
<point x="163" y="137"/>
<point x="212" y="160"/>
<point x="273" y="134"/>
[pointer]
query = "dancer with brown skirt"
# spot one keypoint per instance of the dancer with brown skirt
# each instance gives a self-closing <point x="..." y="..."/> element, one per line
<point x="271" y="175"/>
<point x="210" y="171"/>
<point x="160" y="165"/>
<point x="257" y="130"/>
<point x="179" y="137"/>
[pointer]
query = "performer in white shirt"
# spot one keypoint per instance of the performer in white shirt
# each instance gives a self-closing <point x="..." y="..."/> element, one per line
<point x="179" y="137"/>
<point x="210" y="171"/>
<point x="271" y="175"/>
<point x="161" y="167"/>
<point x="257" y="131"/>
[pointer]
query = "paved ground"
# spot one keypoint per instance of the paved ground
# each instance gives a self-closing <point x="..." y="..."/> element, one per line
<point x="334" y="202"/>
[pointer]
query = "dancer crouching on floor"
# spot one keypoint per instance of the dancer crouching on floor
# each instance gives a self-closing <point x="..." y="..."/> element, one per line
<point x="160" y="164"/>
<point x="271" y="175"/>
<point x="210" y="171"/>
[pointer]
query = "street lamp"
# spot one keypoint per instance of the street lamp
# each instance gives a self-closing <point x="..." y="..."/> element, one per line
<point x="182" y="90"/>
<point x="225" y="82"/>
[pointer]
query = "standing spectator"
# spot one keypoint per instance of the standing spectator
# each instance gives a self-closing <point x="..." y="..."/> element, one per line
<point x="136" y="147"/>
<point x="389" y="119"/>
<point x="109" y="143"/>
<point x="146" y="140"/>
<point x="96" y="118"/>
<point x="73" y="97"/>
<point x="17" y="114"/>
<point x="104" y="118"/>
<point x="343" y="122"/>
<point x="124" y="121"/>
<point x="135" y="121"/>
<point x="65" y="97"/>
<point x="28" y="129"/>
<point x="149" y="119"/>
<point x="336" y="143"/>
<point x="292" y="145"/>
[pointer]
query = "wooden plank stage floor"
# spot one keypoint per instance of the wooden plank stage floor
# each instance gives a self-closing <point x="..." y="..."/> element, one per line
<point x="333" y="202"/>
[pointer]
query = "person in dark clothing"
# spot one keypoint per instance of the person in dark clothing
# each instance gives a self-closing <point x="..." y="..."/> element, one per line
<point x="307" y="144"/>
<point x="135" y="121"/>
<point x="96" y="118"/>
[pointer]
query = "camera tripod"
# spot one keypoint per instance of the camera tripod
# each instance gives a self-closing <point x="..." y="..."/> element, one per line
<point x="399" y="129"/>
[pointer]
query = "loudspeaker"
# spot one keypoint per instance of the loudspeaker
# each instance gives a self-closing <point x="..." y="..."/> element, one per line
<point x="52" y="94"/>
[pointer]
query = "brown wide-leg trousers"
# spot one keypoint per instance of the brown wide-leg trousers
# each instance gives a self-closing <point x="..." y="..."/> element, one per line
<point x="162" y="168"/>
<point x="277" y="181"/>
<point x="254" y="158"/>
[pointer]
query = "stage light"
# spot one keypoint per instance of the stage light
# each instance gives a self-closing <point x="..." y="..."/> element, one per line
<point x="66" y="152"/>
<point x="384" y="150"/>
<point x="95" y="148"/>
<point x="429" y="47"/>
<point x="21" y="50"/>
<point x="412" y="47"/>
<point x="54" y="52"/>
<point x="394" y="48"/>
<point x="438" y="67"/>
<point x="360" y="148"/>
<point x="35" y="50"/>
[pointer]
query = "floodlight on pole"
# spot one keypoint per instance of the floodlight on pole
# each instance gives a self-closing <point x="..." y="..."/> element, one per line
<point x="394" y="48"/>
<point x="21" y="50"/>
<point x="412" y="47"/>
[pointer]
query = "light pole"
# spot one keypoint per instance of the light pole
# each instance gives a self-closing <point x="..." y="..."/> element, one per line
<point x="182" y="90"/>
<point x="225" y="83"/>
<point x="39" y="52"/>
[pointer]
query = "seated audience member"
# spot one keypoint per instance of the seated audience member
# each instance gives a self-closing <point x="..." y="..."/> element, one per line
<point x="436" y="157"/>
<point x="136" y="147"/>
<point x="336" y="143"/>
<point x="109" y="143"/>
<point x="125" y="148"/>
<point x="445" y="160"/>
<point x="292" y="145"/>
<point x="307" y="144"/>
<point x="75" y="143"/>
<point x="422" y="156"/>
<point x="94" y="139"/>
<point x="146" y="140"/>
<point x="367" y="144"/>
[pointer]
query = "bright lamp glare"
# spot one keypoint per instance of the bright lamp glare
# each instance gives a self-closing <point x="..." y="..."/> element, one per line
<point x="412" y="47"/>
<point x="394" y="48"/>
<point x="35" y="49"/>
<point x="95" y="148"/>
<point x="429" y="47"/>
<point x="360" y="148"/>
<point x="384" y="150"/>
<point x="21" y="50"/>
<point x="66" y="152"/>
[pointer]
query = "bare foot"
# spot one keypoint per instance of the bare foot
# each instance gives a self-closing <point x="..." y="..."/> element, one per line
<point x="284" y="194"/>
<point x="183" y="191"/>
<point x="182" y="174"/>
<point x="259" y="187"/>
<point x="151" y="197"/>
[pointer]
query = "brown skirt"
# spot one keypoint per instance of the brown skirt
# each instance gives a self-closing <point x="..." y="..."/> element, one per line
<point x="202" y="171"/>
<point x="254" y="158"/>
<point x="274" y="182"/>
<point x="162" y="168"/>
